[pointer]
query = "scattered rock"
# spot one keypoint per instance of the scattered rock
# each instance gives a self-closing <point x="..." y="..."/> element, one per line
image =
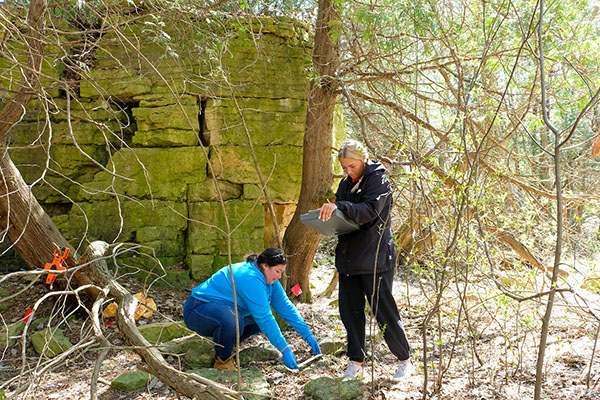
<point x="332" y="346"/>
<point x="130" y="381"/>
<point x="6" y="332"/>
<point x="253" y="380"/>
<point x="200" y="355"/>
<point x="258" y="354"/>
<point x="5" y="305"/>
<point x="325" y="388"/>
<point x="160" y="332"/>
<point x="50" y="342"/>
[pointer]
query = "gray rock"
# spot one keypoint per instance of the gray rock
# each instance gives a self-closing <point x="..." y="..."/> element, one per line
<point x="332" y="346"/>
<point x="164" y="331"/>
<point x="325" y="388"/>
<point x="50" y="342"/>
<point x="258" y="354"/>
<point x="130" y="381"/>
<point x="12" y="330"/>
<point x="200" y="355"/>
<point x="253" y="380"/>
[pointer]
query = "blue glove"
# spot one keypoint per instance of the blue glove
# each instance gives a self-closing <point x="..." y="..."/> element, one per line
<point x="289" y="358"/>
<point x="313" y="343"/>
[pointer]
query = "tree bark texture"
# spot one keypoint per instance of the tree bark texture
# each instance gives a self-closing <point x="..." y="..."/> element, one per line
<point x="23" y="221"/>
<point x="301" y="242"/>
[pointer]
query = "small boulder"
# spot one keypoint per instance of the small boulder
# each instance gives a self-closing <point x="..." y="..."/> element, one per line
<point x="50" y="342"/>
<point x="130" y="381"/>
<point x="5" y="305"/>
<point x="258" y="354"/>
<point x="332" y="346"/>
<point x="160" y="332"/>
<point x="8" y="331"/>
<point x="253" y="380"/>
<point x="325" y="388"/>
<point x="200" y="355"/>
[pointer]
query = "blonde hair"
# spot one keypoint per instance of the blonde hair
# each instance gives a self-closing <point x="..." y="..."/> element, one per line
<point x="353" y="149"/>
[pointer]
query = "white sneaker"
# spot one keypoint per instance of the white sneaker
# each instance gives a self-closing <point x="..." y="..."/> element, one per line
<point x="405" y="368"/>
<point x="353" y="371"/>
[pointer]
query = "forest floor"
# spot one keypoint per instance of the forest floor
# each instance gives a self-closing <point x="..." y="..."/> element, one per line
<point x="498" y="364"/>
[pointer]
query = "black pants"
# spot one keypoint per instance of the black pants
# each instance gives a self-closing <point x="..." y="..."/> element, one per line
<point x="354" y="290"/>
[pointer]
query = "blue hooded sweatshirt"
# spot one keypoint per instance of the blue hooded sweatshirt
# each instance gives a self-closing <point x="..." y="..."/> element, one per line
<point x="255" y="298"/>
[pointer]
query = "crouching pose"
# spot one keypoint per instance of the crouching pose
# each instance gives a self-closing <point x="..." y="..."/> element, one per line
<point x="209" y="309"/>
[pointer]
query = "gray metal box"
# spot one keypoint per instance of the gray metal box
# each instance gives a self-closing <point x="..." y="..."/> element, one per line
<point x="338" y="224"/>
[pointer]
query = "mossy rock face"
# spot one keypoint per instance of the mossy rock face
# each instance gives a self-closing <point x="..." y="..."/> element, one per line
<point x="172" y="116"/>
<point x="282" y="164"/>
<point x="206" y="191"/>
<point x="158" y="173"/>
<point x="148" y="222"/>
<point x="325" y="388"/>
<point x="205" y="234"/>
<point x="201" y="266"/>
<point x="50" y="342"/>
<point x="267" y="121"/>
<point x="161" y="332"/>
<point x="130" y="381"/>
<point x="253" y="380"/>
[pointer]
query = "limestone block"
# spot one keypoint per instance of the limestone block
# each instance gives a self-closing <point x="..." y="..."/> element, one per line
<point x="4" y="304"/>
<point x="110" y="221"/>
<point x="284" y="214"/>
<point x="160" y="173"/>
<point x="159" y="98"/>
<point x="206" y="191"/>
<point x="326" y="388"/>
<point x="50" y="342"/>
<point x="201" y="355"/>
<point x="201" y="266"/>
<point x="222" y="260"/>
<point x="260" y="353"/>
<point x="252" y="191"/>
<point x="253" y="380"/>
<point x="269" y="121"/>
<point x="130" y="381"/>
<point x="8" y="333"/>
<point x="118" y="82"/>
<point x="166" y="138"/>
<point x="281" y="164"/>
<point x="171" y="116"/>
<point x="160" y="332"/>
<point x="206" y="233"/>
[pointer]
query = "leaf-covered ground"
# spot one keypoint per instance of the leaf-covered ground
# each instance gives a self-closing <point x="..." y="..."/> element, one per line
<point x="485" y="353"/>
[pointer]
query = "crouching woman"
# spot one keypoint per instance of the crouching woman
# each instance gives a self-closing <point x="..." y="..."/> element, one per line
<point x="209" y="309"/>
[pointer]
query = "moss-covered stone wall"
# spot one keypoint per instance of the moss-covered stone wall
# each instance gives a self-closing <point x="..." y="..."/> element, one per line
<point x="137" y="155"/>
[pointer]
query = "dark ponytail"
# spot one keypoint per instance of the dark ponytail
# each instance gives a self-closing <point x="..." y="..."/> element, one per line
<point x="270" y="256"/>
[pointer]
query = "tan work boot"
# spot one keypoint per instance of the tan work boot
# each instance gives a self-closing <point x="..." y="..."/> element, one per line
<point x="227" y="365"/>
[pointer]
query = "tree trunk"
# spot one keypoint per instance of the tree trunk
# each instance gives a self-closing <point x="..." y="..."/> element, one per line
<point x="300" y="242"/>
<point x="24" y="222"/>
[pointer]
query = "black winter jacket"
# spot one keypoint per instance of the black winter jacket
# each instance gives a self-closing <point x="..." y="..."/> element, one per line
<point x="370" y="206"/>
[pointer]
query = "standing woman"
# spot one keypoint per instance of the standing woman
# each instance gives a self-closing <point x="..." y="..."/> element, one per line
<point x="208" y="310"/>
<point x="366" y="258"/>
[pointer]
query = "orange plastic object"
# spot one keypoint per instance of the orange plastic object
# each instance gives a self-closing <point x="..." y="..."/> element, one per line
<point x="56" y="265"/>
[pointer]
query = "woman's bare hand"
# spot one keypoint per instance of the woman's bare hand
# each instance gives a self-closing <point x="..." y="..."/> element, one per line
<point x="326" y="211"/>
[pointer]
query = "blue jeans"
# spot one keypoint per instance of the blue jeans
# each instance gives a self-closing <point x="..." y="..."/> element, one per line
<point x="217" y="320"/>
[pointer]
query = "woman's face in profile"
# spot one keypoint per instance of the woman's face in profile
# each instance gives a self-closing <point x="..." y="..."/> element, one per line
<point x="352" y="167"/>
<point x="273" y="273"/>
